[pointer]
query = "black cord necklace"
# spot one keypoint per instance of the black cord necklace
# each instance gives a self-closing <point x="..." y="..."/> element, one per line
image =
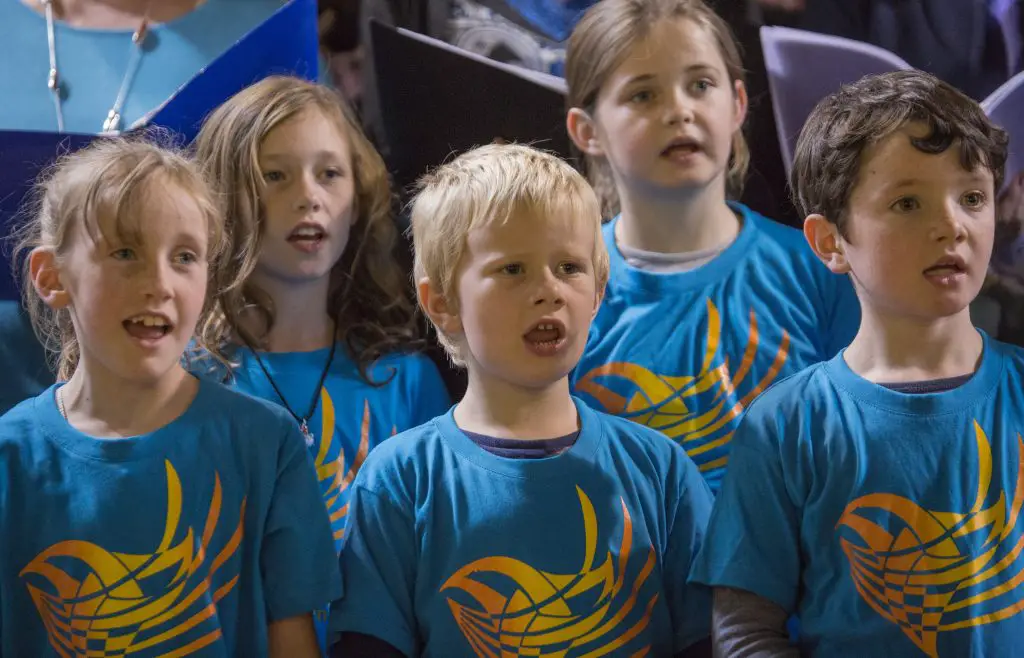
<point x="303" y="421"/>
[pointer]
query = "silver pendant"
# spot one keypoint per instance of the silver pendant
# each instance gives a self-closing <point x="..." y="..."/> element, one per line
<point x="306" y="434"/>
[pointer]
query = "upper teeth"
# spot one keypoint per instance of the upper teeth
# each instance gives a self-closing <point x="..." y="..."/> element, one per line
<point x="546" y="327"/>
<point x="307" y="232"/>
<point x="150" y="320"/>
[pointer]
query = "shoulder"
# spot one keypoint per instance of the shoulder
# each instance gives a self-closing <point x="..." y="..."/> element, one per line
<point x="791" y="397"/>
<point x="241" y="408"/>
<point x="786" y="253"/>
<point x="404" y="365"/>
<point x="1012" y="357"/>
<point x="21" y="420"/>
<point x="402" y="467"/>
<point x="646" y="449"/>
<point x="775" y="238"/>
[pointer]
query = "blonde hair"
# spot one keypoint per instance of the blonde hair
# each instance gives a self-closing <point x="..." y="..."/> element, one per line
<point x="110" y="177"/>
<point x="599" y="44"/>
<point x="369" y="296"/>
<point x="493" y="183"/>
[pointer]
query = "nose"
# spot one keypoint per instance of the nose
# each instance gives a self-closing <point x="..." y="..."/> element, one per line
<point x="949" y="225"/>
<point x="679" y="107"/>
<point x="548" y="290"/>
<point x="156" y="279"/>
<point x="306" y="193"/>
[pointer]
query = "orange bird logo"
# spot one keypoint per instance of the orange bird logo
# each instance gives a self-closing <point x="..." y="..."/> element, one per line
<point x="509" y="608"/>
<point x="126" y="603"/>
<point x="699" y="411"/>
<point x="931" y="572"/>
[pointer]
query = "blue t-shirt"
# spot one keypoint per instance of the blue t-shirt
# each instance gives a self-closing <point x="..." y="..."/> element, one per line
<point x="890" y="523"/>
<point x="352" y="417"/>
<point x="684" y="353"/>
<point x="189" y="539"/>
<point x="92" y="63"/>
<point x="457" y="552"/>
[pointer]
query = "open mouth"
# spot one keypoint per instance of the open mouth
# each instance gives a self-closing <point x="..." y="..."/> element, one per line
<point x="950" y="266"/>
<point x="307" y="235"/>
<point x="546" y="337"/>
<point x="681" y="148"/>
<point x="147" y="326"/>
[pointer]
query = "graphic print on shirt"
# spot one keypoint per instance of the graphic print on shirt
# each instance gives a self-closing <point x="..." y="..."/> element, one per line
<point x="699" y="411"/>
<point x="505" y="607"/>
<point x="935" y="571"/>
<point x="332" y="474"/>
<point x="99" y="603"/>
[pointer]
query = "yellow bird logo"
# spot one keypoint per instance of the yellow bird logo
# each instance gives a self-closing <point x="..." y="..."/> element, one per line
<point x="127" y="603"/>
<point x="698" y="411"/>
<point x="332" y="474"/>
<point x="931" y="572"/>
<point x="517" y="610"/>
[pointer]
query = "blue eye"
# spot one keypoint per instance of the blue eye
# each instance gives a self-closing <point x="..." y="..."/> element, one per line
<point x="186" y="258"/>
<point x="273" y="176"/>
<point x="512" y="268"/>
<point x="124" y="253"/>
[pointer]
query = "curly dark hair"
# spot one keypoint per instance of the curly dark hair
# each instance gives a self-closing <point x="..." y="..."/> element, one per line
<point x="828" y="153"/>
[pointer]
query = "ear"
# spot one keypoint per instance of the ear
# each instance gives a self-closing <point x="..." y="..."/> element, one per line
<point x="741" y="102"/>
<point x="827" y="244"/>
<point x="598" y="300"/>
<point x="442" y="313"/>
<point x="42" y="266"/>
<point x="583" y="132"/>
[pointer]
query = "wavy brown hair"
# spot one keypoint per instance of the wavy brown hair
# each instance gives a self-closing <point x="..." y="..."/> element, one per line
<point x="369" y="296"/>
<point x="110" y="177"/>
<point x="599" y="44"/>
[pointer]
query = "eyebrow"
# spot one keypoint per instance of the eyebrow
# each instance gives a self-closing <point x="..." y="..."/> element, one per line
<point x="693" y="68"/>
<point x="644" y="77"/>
<point x="903" y="183"/>
<point x="322" y="154"/>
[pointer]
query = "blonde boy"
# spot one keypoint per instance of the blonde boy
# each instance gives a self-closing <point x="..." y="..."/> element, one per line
<point x="520" y="519"/>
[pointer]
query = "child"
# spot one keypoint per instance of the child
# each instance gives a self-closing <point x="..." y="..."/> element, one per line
<point x="708" y="302"/>
<point x="879" y="495"/>
<point x="143" y="511"/>
<point x="315" y="306"/>
<point x="522" y="520"/>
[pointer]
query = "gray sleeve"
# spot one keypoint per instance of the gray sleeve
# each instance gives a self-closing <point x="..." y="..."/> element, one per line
<point x="745" y="625"/>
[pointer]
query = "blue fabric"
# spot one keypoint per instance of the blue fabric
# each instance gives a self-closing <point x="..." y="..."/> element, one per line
<point x="457" y="552"/>
<point x="22" y="358"/>
<point x="685" y="352"/>
<point x="888" y="522"/>
<point x="119" y="544"/>
<point x="352" y="417"/>
<point x="92" y="63"/>
<point x="552" y="18"/>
